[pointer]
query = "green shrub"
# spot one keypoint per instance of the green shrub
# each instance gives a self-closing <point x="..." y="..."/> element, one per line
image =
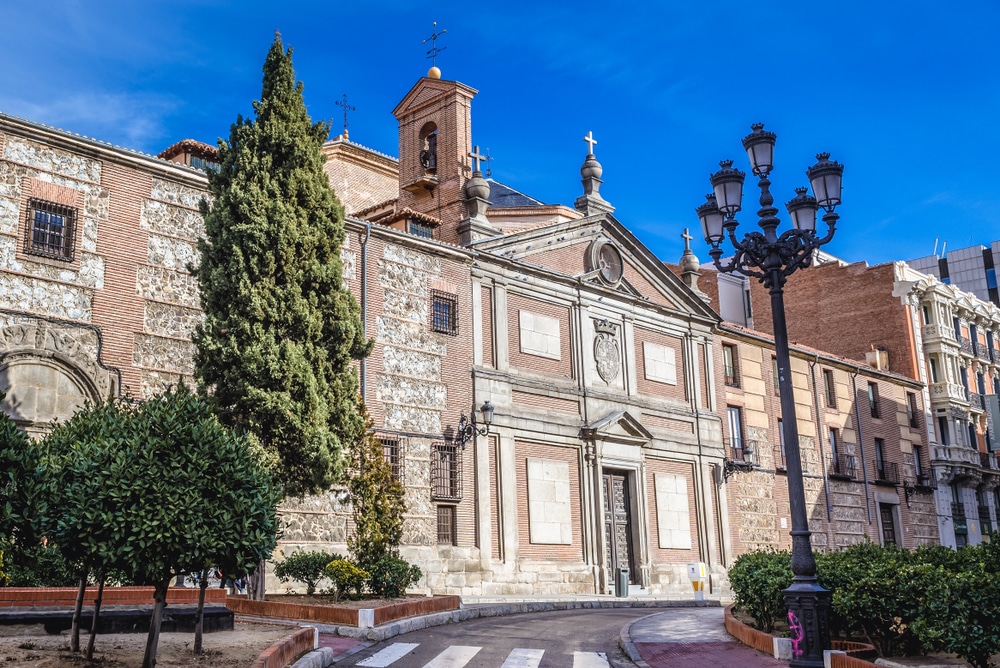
<point x="38" y="566"/>
<point x="876" y="590"/>
<point x="348" y="580"/>
<point x="758" y="580"/>
<point x="390" y="577"/>
<point x="309" y="568"/>
<point x="959" y="613"/>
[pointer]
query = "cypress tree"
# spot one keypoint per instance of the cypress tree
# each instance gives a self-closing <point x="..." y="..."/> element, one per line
<point x="280" y="333"/>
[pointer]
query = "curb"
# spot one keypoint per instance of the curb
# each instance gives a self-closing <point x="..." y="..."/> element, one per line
<point x="627" y="646"/>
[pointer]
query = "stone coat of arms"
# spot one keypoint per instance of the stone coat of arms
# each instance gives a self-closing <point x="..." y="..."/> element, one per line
<point x="607" y="351"/>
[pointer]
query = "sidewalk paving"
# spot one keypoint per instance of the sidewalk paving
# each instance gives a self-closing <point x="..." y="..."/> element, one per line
<point x="689" y="638"/>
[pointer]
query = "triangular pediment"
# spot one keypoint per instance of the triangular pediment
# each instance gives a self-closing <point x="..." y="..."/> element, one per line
<point x="427" y="91"/>
<point x="618" y="427"/>
<point x="568" y="248"/>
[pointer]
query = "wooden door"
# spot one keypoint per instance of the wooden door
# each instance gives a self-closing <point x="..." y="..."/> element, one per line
<point x="617" y="526"/>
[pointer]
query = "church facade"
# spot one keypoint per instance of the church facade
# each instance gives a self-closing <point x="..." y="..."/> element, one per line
<point x="552" y="397"/>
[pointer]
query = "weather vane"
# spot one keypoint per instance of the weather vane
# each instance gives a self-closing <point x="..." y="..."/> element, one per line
<point x="434" y="50"/>
<point x="347" y="108"/>
<point x="489" y="163"/>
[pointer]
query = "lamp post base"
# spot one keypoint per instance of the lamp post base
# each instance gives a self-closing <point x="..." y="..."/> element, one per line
<point x="808" y="607"/>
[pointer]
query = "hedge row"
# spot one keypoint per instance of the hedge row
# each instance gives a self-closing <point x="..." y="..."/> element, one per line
<point x="933" y="599"/>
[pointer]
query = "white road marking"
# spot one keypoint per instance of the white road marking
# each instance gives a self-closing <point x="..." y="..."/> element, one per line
<point x="523" y="658"/>
<point x="455" y="656"/>
<point x="590" y="660"/>
<point x="389" y="655"/>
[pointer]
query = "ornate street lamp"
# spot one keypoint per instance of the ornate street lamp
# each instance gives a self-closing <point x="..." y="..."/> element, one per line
<point x="771" y="259"/>
<point x="467" y="428"/>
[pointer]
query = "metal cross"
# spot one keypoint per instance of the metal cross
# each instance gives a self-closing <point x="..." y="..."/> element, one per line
<point x="434" y="50"/>
<point x="347" y="108"/>
<point x="590" y="142"/>
<point x="489" y="163"/>
<point x="687" y="239"/>
<point x="477" y="157"/>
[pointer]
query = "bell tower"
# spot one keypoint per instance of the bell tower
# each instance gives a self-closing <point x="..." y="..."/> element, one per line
<point x="435" y="137"/>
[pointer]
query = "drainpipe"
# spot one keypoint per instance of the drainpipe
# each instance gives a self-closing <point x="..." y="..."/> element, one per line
<point x="364" y="303"/>
<point x="861" y="442"/>
<point x="821" y="436"/>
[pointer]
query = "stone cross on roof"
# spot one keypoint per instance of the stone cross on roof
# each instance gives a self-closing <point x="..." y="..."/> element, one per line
<point x="347" y="108"/>
<point x="590" y="142"/>
<point x="477" y="157"/>
<point x="434" y="50"/>
<point x="687" y="240"/>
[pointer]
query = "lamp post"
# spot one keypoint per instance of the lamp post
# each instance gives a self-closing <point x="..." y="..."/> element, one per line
<point x="771" y="259"/>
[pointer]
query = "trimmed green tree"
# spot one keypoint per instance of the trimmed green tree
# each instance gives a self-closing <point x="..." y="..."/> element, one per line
<point x="275" y="352"/>
<point x="377" y="500"/>
<point x="159" y="489"/>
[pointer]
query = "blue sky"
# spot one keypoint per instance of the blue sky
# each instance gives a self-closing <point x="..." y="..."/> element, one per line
<point x="906" y="95"/>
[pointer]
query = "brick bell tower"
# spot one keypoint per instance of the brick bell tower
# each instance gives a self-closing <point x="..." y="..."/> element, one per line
<point x="435" y="137"/>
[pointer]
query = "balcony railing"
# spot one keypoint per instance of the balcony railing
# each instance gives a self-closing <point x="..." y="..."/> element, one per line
<point x="779" y="459"/>
<point x="885" y="472"/>
<point x="966" y="344"/>
<point x="983" y="353"/>
<point x="975" y="400"/>
<point x="984" y="513"/>
<point x="957" y="510"/>
<point x="843" y="465"/>
<point x="731" y="379"/>
<point x="948" y="391"/>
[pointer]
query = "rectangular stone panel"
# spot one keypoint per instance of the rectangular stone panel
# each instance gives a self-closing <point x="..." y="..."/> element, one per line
<point x="660" y="363"/>
<point x="52" y="160"/>
<point x="549" y="514"/>
<point x="539" y="335"/>
<point x="672" y="512"/>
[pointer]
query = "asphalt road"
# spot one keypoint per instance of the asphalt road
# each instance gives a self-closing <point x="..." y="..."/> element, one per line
<point x="560" y="639"/>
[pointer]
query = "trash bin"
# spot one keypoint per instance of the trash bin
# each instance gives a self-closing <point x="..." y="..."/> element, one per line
<point x="621" y="583"/>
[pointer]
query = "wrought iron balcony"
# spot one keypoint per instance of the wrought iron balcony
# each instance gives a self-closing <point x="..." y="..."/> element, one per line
<point x="957" y="509"/>
<point x="966" y="344"/>
<point x="731" y="379"/>
<point x="983" y="353"/>
<point x="779" y="459"/>
<point x="975" y="400"/>
<point x="886" y="473"/>
<point x="844" y="466"/>
<point x="984" y="513"/>
<point x="741" y="458"/>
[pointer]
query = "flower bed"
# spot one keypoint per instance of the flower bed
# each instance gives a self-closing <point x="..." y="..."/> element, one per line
<point x="345" y="616"/>
<point x="53" y="597"/>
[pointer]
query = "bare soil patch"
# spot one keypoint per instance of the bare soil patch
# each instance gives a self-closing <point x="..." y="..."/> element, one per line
<point x="222" y="649"/>
<point x="319" y="599"/>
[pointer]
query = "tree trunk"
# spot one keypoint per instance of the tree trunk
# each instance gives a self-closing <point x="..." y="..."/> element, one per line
<point x="93" y="621"/>
<point x="255" y="581"/>
<point x="74" y="641"/>
<point x="160" y="597"/>
<point x="200" y="619"/>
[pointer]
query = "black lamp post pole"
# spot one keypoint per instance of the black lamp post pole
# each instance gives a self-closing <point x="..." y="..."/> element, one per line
<point x="771" y="258"/>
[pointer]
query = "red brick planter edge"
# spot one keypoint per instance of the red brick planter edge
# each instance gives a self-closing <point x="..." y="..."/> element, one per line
<point x="283" y="652"/>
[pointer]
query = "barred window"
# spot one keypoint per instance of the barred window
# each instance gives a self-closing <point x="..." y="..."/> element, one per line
<point x="444" y="312"/>
<point x="446" y="525"/>
<point x="393" y="455"/>
<point x="421" y="230"/>
<point x="446" y="471"/>
<point x="50" y="230"/>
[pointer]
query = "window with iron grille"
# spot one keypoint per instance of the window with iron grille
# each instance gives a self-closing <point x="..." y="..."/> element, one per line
<point x="729" y="358"/>
<point x="421" y="230"/>
<point x="912" y="413"/>
<point x="444" y="312"/>
<point x="393" y="455"/>
<point x="50" y="230"/>
<point x="873" y="400"/>
<point x="446" y="471"/>
<point x="830" y="388"/>
<point x="446" y="525"/>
